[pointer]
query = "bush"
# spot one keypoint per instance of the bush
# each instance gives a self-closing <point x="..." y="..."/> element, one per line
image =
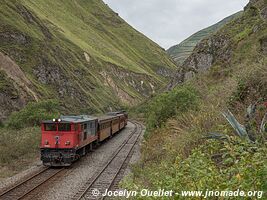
<point x="33" y="114"/>
<point x="1" y="124"/>
<point x="166" y="105"/>
<point x="251" y="87"/>
<point x="18" y="149"/>
<point x="17" y="144"/>
<point x="214" y="166"/>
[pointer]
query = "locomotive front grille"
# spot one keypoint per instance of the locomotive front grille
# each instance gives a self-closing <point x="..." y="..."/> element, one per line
<point x="58" y="157"/>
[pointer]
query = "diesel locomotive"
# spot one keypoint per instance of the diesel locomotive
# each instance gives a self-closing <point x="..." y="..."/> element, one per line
<point x="66" y="139"/>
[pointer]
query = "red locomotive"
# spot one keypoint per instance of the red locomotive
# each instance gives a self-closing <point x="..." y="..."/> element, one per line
<point x="66" y="139"/>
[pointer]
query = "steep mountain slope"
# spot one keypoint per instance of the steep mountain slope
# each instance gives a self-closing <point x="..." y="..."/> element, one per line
<point x="198" y="148"/>
<point x="183" y="50"/>
<point x="79" y="52"/>
<point x="242" y="40"/>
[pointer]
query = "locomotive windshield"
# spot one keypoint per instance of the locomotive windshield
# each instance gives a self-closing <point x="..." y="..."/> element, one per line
<point x="64" y="127"/>
<point x="50" y="127"/>
<point x="61" y="127"/>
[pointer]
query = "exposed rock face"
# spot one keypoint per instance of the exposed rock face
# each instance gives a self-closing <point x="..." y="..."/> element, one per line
<point x="12" y="96"/>
<point x="14" y="37"/>
<point x="258" y="5"/>
<point x="178" y="78"/>
<point x="201" y="61"/>
<point x="51" y="74"/>
<point x="164" y="72"/>
<point x="32" y="19"/>
<point x="47" y="73"/>
<point x="263" y="43"/>
<point x="183" y="50"/>
<point x="214" y="49"/>
<point x="14" y="72"/>
<point x="219" y="48"/>
<point x="8" y="104"/>
<point x="139" y="82"/>
<point x="16" y="89"/>
<point x="69" y="60"/>
<point x="264" y="13"/>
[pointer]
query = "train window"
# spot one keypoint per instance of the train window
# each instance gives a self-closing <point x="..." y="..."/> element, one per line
<point x="64" y="127"/>
<point x="50" y="127"/>
<point x="84" y="131"/>
<point x="76" y="127"/>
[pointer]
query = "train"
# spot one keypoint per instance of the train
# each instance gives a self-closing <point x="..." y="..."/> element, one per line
<point x="66" y="139"/>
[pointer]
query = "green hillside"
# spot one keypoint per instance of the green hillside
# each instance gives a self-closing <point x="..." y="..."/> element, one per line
<point x="79" y="52"/>
<point x="183" y="50"/>
<point x="189" y="145"/>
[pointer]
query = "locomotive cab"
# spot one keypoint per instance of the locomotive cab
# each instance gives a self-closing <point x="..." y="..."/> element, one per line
<point x="64" y="140"/>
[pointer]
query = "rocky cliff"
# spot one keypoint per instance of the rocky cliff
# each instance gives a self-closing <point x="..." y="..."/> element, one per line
<point x="183" y="50"/>
<point x="79" y="52"/>
<point x="240" y="41"/>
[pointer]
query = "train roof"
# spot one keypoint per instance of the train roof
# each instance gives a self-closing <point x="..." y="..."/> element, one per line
<point x="106" y="117"/>
<point x="74" y="119"/>
<point x="116" y="113"/>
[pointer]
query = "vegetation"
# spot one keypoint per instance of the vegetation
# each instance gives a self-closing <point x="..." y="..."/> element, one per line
<point x="18" y="149"/>
<point x="33" y="114"/>
<point x="80" y="52"/>
<point x="199" y="149"/>
<point x="6" y="85"/>
<point x="168" y="104"/>
<point x="20" y="136"/>
<point x="183" y="50"/>
<point x="181" y="155"/>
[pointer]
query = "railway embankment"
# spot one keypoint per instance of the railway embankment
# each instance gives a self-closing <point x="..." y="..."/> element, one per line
<point x="76" y="180"/>
<point x="20" y="137"/>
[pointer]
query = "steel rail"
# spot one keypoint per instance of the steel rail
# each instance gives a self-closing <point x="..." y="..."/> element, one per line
<point x="88" y="187"/>
<point x="11" y="193"/>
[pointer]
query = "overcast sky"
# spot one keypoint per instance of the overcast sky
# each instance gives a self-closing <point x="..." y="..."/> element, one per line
<point x="168" y="22"/>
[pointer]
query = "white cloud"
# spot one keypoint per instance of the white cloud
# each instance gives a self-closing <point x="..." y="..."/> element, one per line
<point x="168" y="22"/>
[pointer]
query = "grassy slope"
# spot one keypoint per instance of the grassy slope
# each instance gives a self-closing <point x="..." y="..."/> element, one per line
<point x="27" y="150"/>
<point x="59" y="32"/>
<point x="54" y="35"/>
<point x="97" y="30"/>
<point x="182" y="51"/>
<point x="184" y="160"/>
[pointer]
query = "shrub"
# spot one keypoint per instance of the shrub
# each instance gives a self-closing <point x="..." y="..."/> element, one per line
<point x="33" y="114"/>
<point x="214" y="166"/>
<point x="166" y="105"/>
<point x="251" y="87"/>
<point x="18" y="146"/>
<point x="1" y="124"/>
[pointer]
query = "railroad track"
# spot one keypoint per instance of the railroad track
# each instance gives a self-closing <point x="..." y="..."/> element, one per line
<point x="23" y="189"/>
<point x="109" y="176"/>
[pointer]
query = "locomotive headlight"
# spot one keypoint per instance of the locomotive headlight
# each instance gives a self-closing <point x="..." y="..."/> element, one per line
<point x="59" y="120"/>
<point x="54" y="120"/>
<point x="67" y="143"/>
<point x="46" y="142"/>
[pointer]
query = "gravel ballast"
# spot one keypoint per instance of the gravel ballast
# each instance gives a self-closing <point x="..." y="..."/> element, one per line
<point x="84" y="169"/>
